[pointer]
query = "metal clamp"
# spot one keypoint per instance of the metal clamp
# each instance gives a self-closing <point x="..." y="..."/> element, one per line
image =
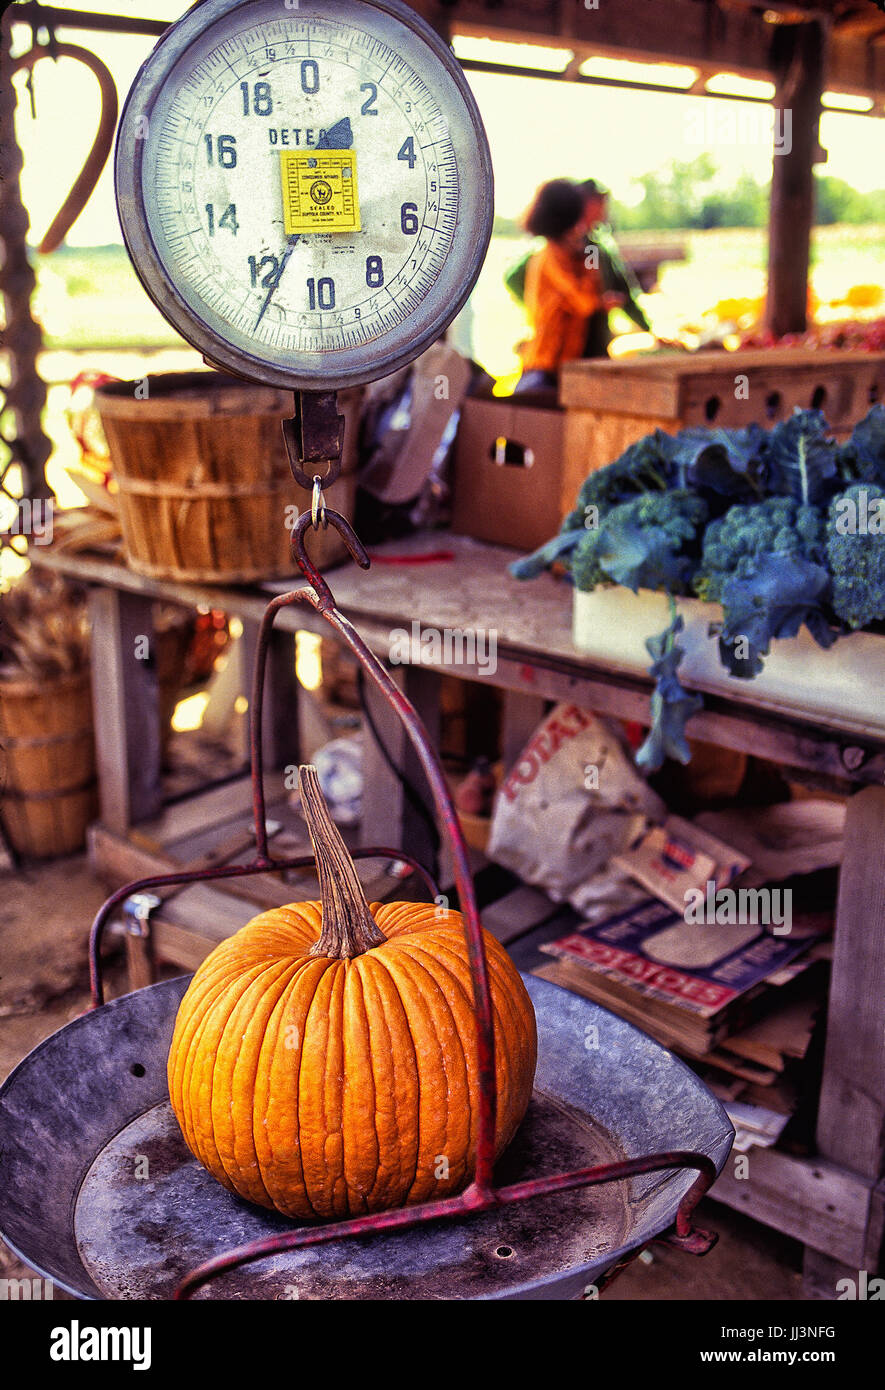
<point x="315" y="435"/>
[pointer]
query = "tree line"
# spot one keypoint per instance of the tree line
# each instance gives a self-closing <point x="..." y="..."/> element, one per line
<point x="685" y="196"/>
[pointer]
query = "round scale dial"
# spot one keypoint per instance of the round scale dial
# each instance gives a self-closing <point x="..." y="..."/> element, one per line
<point x="305" y="190"/>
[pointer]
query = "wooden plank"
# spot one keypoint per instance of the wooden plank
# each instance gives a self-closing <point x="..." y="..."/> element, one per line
<point x="775" y="735"/>
<point x="180" y="945"/>
<point x="875" y="1233"/>
<point x="217" y="806"/>
<point x="127" y="707"/>
<point x="678" y="32"/>
<point x="518" y="913"/>
<point x="117" y="861"/>
<point x="851" y="1118"/>
<point x="821" y="1276"/>
<point x="594" y="438"/>
<point x="642" y="389"/>
<point x="857" y="67"/>
<point x="535" y="652"/>
<point x="609" y="409"/>
<point x="207" y="911"/>
<point x="140" y="960"/>
<point x="819" y="1203"/>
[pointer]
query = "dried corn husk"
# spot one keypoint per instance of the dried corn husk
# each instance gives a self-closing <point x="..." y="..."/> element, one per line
<point x="44" y="627"/>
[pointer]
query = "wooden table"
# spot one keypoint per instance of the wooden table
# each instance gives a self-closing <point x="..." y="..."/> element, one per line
<point x="834" y="1203"/>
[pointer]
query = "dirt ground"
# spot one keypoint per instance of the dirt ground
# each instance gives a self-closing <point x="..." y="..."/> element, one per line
<point x="45" y="915"/>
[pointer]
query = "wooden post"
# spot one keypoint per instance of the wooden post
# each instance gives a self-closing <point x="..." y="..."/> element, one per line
<point x="126" y="704"/>
<point x="851" y="1118"/>
<point x="798" y="62"/>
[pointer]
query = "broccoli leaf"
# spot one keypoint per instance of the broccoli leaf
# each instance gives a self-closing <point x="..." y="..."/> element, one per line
<point x="641" y="544"/>
<point x="733" y="542"/>
<point x="771" y="598"/>
<point x="639" y="557"/>
<point x="730" y="463"/>
<point x="530" y="566"/>
<point x="801" y="458"/>
<point x="863" y="456"/>
<point x="671" y="704"/>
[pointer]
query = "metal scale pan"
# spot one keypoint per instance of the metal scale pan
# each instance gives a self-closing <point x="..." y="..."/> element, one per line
<point x="100" y="1194"/>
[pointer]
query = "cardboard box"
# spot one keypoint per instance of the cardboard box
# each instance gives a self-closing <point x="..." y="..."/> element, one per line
<point x="508" y="469"/>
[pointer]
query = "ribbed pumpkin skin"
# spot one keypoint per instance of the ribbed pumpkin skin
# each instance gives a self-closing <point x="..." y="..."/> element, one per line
<point x="330" y="1088"/>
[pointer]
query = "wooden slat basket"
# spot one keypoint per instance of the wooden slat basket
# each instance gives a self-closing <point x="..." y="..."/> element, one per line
<point x="48" y="792"/>
<point x="204" y="479"/>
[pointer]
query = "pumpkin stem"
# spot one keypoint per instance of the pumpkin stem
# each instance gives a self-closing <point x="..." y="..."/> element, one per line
<point x="348" y="927"/>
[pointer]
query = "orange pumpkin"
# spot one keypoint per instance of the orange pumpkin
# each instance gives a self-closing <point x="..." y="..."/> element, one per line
<point x="324" y="1057"/>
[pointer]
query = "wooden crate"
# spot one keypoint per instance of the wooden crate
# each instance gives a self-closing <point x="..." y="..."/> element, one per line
<point x="611" y="404"/>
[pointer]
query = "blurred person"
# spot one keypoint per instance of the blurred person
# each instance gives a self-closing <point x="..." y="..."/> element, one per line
<point x="562" y="291"/>
<point x="617" y="277"/>
<point x="618" y="282"/>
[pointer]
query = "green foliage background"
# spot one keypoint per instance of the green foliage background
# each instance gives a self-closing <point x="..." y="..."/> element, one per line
<point x="685" y="196"/>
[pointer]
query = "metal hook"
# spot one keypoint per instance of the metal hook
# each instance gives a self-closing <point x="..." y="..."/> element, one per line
<point x="303" y="560"/>
<point x="89" y="175"/>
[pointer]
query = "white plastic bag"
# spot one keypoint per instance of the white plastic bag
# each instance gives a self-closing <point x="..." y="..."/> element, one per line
<point x="572" y="800"/>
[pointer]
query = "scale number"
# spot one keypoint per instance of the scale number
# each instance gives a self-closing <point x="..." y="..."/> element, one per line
<point x="228" y="219"/>
<point x="321" y="293"/>
<point x="407" y="152"/>
<point x="262" y="100"/>
<point x="256" y="266"/>
<point x="225" y="148"/>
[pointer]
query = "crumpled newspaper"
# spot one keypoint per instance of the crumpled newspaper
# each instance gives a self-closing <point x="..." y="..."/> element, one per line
<point x="572" y="801"/>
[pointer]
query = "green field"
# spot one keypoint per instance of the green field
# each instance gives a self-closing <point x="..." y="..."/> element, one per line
<point x="90" y="298"/>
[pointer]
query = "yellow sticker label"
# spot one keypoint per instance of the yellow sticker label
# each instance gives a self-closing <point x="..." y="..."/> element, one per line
<point x="319" y="191"/>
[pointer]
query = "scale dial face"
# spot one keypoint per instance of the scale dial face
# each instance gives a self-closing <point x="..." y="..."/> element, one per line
<point x="305" y="189"/>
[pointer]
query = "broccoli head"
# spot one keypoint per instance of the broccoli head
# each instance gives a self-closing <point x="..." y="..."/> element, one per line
<point x="774" y="526"/>
<point x="645" y="543"/>
<point x="856" y="554"/>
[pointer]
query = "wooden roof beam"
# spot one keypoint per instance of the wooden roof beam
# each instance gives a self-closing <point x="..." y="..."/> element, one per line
<point x="680" y="31"/>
